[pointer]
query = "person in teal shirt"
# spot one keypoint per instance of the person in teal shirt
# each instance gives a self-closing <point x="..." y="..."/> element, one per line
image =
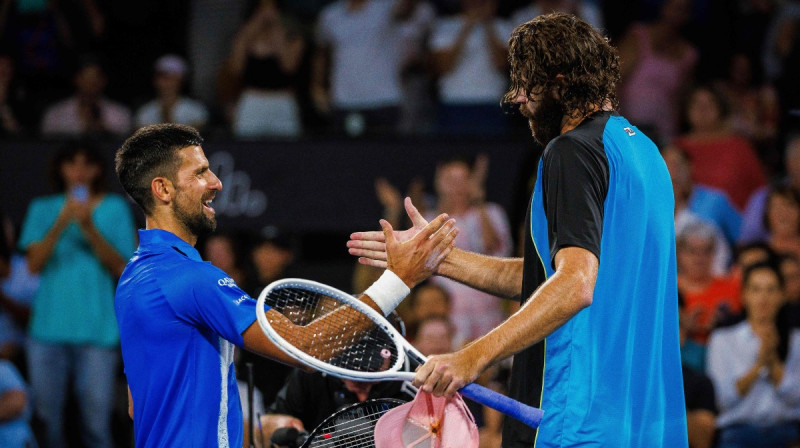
<point x="79" y="241"/>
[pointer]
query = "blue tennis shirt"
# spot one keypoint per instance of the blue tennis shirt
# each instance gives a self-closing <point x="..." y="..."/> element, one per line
<point x="179" y="319"/>
<point x="610" y="376"/>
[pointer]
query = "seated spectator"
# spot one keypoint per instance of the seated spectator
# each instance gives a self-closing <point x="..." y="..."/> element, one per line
<point x="586" y="10"/>
<point x="709" y="299"/>
<point x="434" y="335"/>
<point x="264" y="64"/>
<point x="225" y="251"/>
<point x="170" y="106"/>
<point x="306" y="399"/>
<point x="724" y="160"/>
<point x="656" y="65"/>
<point x="750" y="254"/>
<point x="87" y="111"/>
<point x="707" y="203"/>
<point x="427" y="300"/>
<point x="757" y="388"/>
<point x="271" y="257"/>
<point x="471" y="61"/>
<point x="782" y="220"/>
<point x="356" y="69"/>
<point x="701" y="410"/>
<point x="15" y="409"/>
<point x="753" y="216"/>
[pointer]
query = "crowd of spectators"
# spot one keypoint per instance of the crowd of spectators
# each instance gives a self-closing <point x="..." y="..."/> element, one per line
<point x="723" y="107"/>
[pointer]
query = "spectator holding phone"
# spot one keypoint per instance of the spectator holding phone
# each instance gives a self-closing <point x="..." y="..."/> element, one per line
<point x="78" y="240"/>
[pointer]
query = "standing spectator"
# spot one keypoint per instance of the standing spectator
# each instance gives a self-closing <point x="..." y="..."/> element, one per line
<point x="724" y="159"/>
<point x="656" y="65"/>
<point x="264" y="64"/>
<point x="709" y="298"/>
<point x="15" y="409"/>
<point x="356" y="70"/>
<point x="782" y="220"/>
<point x="170" y="106"/>
<point x="753" y="216"/>
<point x="756" y="387"/>
<point x="471" y="61"/>
<point x="460" y="192"/>
<point x="585" y="9"/>
<point x="87" y="111"/>
<point x="78" y="240"/>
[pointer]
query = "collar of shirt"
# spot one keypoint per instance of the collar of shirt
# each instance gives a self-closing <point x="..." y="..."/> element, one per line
<point x="151" y="240"/>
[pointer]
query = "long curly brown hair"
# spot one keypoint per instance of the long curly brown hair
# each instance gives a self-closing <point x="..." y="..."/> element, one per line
<point x="562" y="44"/>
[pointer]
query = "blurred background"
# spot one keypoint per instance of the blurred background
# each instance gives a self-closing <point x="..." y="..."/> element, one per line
<point x="320" y="115"/>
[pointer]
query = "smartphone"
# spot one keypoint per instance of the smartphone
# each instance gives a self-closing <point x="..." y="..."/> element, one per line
<point x="80" y="193"/>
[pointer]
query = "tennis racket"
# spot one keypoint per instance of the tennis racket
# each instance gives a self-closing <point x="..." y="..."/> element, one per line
<point x="338" y="334"/>
<point x="353" y="426"/>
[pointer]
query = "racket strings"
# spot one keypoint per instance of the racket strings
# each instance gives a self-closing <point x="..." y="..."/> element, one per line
<point x="355" y="428"/>
<point x="331" y="331"/>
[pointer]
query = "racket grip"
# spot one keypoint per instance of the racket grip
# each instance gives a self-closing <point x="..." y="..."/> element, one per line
<point x="529" y="415"/>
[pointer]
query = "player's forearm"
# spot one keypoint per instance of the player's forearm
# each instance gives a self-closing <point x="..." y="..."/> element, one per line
<point x="560" y="298"/>
<point x="494" y="275"/>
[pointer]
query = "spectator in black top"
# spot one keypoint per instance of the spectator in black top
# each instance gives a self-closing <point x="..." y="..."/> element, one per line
<point x="264" y="62"/>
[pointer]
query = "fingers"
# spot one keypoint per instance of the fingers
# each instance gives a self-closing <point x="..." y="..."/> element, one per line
<point x="374" y="263"/>
<point x="377" y="246"/>
<point x="436" y="378"/>
<point x="416" y="218"/>
<point x="388" y="232"/>
<point x="433" y="226"/>
<point x="375" y="235"/>
<point x="373" y="254"/>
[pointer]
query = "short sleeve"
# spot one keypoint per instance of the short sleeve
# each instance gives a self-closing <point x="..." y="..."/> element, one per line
<point x="575" y="179"/>
<point x="35" y="225"/>
<point x="212" y="300"/>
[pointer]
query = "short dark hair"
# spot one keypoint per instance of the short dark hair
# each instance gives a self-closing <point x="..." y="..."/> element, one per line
<point x="67" y="153"/>
<point x="562" y="44"/>
<point x="150" y="152"/>
<point x="783" y="190"/>
<point x="768" y="265"/>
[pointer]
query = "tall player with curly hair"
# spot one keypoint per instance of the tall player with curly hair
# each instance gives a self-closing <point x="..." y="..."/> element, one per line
<point x="595" y="342"/>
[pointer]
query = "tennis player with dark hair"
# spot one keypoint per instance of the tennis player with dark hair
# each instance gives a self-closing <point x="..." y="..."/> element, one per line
<point x="596" y="341"/>
<point x="179" y="317"/>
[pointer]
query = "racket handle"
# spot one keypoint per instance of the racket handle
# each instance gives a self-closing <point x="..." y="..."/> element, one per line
<point x="529" y="415"/>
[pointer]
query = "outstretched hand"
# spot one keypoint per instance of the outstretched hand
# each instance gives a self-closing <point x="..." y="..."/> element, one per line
<point x="370" y="247"/>
<point x="416" y="257"/>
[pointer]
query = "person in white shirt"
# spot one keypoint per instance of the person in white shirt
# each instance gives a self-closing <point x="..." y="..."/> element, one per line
<point x="169" y="105"/>
<point x="471" y="61"/>
<point x="756" y="369"/>
<point x="361" y="54"/>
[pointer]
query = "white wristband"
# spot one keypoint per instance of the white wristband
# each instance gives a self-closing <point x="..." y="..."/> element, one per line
<point x="388" y="291"/>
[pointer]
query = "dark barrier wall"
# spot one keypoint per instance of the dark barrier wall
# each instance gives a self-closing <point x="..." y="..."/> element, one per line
<point x="306" y="186"/>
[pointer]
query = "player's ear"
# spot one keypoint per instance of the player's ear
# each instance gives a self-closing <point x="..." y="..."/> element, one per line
<point x="162" y="189"/>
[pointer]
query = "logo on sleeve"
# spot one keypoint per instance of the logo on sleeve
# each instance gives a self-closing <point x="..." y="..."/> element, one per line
<point x="240" y="300"/>
<point x="227" y="281"/>
<point x="630" y="131"/>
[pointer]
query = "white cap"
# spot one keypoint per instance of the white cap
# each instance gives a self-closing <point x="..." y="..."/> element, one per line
<point x="172" y="64"/>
